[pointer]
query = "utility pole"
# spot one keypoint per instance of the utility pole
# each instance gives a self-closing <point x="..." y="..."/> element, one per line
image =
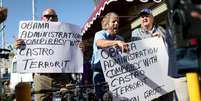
<point x="2" y="29"/>
<point x="1" y="4"/>
<point x="3" y="46"/>
<point x="33" y="10"/>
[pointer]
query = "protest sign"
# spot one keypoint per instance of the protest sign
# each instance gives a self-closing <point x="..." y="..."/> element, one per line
<point x="140" y="74"/>
<point x="49" y="47"/>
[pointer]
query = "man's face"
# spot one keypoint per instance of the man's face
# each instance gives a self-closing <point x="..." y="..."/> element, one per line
<point x="146" y="20"/>
<point x="113" y="24"/>
<point x="49" y="15"/>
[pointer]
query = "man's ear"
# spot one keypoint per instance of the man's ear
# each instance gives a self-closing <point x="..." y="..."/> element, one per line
<point x="107" y="25"/>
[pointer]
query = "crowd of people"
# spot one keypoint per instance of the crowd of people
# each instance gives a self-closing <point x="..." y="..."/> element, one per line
<point x="108" y="37"/>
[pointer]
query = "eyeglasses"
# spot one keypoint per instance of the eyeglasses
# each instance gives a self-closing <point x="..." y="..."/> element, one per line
<point x="145" y="15"/>
<point x="50" y="16"/>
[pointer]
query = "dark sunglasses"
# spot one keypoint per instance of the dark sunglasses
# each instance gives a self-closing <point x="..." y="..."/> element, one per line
<point x="49" y="16"/>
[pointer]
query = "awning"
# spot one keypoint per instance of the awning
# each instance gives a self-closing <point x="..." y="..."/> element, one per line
<point x="126" y="9"/>
<point x="97" y="12"/>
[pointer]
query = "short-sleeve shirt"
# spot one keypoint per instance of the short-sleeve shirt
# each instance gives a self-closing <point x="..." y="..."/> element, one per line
<point x="140" y="33"/>
<point x="103" y="35"/>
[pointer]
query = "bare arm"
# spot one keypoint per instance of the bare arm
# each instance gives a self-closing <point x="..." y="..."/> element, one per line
<point x="107" y="43"/>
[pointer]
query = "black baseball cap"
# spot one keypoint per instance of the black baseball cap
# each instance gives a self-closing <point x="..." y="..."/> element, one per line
<point x="145" y="11"/>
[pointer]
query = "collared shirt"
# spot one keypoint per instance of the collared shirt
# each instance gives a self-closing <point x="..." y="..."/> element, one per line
<point x="103" y="35"/>
<point x="140" y="33"/>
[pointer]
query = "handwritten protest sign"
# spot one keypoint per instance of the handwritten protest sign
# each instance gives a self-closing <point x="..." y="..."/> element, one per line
<point x="49" y="47"/>
<point x="140" y="74"/>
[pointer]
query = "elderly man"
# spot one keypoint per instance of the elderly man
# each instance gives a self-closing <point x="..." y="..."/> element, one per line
<point x="150" y="29"/>
<point x="105" y="38"/>
<point x="47" y="80"/>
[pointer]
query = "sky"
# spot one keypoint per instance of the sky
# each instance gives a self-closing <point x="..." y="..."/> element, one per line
<point x="69" y="11"/>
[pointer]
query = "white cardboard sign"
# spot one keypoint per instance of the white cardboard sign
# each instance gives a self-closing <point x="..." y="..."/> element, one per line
<point x="49" y="47"/>
<point x="140" y="74"/>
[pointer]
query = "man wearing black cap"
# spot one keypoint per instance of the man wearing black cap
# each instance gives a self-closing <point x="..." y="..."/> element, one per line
<point x="149" y="29"/>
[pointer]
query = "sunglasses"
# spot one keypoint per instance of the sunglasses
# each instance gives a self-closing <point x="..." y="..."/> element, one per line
<point x="49" y="16"/>
<point x="145" y="15"/>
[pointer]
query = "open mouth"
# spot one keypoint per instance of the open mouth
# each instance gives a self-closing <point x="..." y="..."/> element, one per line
<point x="115" y="28"/>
